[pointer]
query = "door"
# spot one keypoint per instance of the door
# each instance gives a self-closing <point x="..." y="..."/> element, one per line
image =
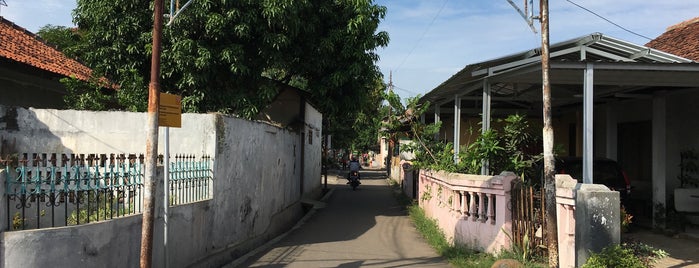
<point x="634" y="151"/>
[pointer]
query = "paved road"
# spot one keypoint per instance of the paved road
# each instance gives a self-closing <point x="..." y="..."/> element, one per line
<point x="683" y="252"/>
<point x="362" y="228"/>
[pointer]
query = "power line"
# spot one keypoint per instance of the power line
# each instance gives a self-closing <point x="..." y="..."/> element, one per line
<point x="423" y="34"/>
<point x="406" y="90"/>
<point x="602" y="17"/>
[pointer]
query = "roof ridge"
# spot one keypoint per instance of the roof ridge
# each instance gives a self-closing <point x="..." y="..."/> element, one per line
<point x="28" y="32"/>
<point x="17" y="27"/>
<point x="29" y="48"/>
<point x="683" y="24"/>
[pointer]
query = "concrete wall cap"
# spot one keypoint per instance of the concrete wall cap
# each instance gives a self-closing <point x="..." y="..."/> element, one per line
<point x="565" y="181"/>
<point x="584" y="187"/>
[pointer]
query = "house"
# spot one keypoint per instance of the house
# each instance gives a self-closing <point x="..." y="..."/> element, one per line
<point x="681" y="39"/>
<point x="610" y="98"/>
<point x="30" y="69"/>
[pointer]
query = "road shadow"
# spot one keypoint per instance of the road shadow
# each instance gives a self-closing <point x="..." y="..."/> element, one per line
<point x="683" y="252"/>
<point x="348" y="213"/>
<point x="355" y="229"/>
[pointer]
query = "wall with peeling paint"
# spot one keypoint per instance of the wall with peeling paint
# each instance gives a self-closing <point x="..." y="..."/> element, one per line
<point x="70" y="131"/>
<point x="257" y="187"/>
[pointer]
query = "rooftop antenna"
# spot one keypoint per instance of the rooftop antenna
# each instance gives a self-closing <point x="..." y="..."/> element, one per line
<point x="527" y="14"/>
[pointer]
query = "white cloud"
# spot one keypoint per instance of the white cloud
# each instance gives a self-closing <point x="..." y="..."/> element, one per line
<point x="468" y="32"/>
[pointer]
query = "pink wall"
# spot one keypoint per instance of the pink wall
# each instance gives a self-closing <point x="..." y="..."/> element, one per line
<point x="565" y="216"/>
<point x="454" y="201"/>
<point x="470" y="209"/>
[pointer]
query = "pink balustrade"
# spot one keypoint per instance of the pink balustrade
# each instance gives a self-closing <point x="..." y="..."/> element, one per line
<point x="472" y="210"/>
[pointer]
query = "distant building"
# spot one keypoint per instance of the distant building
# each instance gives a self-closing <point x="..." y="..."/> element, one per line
<point x="30" y="69"/>
<point x="681" y="39"/>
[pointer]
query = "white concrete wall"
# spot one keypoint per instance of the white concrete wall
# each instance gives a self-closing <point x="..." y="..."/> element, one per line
<point x="313" y="150"/>
<point x="682" y="132"/>
<point x="257" y="189"/>
<point x="257" y="179"/>
<point x="114" y="243"/>
<point x="681" y="123"/>
<point x="71" y="131"/>
<point x="383" y="153"/>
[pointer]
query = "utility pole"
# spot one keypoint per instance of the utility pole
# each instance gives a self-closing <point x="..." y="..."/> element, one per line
<point x="2" y="3"/>
<point x="391" y="135"/>
<point x="152" y="141"/>
<point x="549" y="161"/>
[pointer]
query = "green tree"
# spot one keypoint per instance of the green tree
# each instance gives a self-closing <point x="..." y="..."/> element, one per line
<point x="234" y="56"/>
<point x="403" y="121"/>
<point x="510" y="148"/>
<point x="366" y="123"/>
<point x="65" y="39"/>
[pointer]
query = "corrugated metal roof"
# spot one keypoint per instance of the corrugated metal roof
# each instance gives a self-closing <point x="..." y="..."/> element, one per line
<point x="517" y="70"/>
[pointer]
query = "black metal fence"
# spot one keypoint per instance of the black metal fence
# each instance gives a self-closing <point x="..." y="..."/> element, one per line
<point x="52" y="190"/>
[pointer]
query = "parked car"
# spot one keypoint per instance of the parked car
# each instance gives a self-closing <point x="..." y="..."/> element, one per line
<point x="605" y="171"/>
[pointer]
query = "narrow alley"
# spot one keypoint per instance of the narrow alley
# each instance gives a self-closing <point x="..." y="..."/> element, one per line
<point x="361" y="228"/>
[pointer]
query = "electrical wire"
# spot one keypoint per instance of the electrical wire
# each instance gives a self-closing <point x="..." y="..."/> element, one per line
<point x="617" y="25"/>
<point x="406" y="90"/>
<point x="423" y="34"/>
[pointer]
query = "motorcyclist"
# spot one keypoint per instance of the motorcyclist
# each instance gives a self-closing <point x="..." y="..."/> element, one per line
<point x="354" y="166"/>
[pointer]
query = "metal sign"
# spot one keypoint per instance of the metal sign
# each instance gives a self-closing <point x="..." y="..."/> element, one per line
<point x="170" y="110"/>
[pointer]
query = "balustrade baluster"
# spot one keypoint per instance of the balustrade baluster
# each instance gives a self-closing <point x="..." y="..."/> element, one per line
<point x="491" y="208"/>
<point x="472" y="209"/>
<point x="464" y="208"/>
<point x="481" y="207"/>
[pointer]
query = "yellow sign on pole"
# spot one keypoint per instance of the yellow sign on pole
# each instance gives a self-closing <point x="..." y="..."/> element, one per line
<point x="170" y="110"/>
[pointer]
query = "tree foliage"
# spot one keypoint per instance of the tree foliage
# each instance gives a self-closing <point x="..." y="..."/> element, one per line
<point x="403" y="122"/>
<point x="362" y="128"/>
<point x="233" y="56"/>
<point x="509" y="148"/>
<point x="67" y="40"/>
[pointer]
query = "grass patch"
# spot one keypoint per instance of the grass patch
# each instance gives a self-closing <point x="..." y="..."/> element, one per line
<point x="455" y="255"/>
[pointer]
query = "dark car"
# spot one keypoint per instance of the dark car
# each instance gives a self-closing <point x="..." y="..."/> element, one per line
<point x="604" y="171"/>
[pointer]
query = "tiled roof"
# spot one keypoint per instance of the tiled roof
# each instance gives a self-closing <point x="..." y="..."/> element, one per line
<point x="681" y="39"/>
<point x="18" y="44"/>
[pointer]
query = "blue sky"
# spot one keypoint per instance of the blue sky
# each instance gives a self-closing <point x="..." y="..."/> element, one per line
<point x="433" y="39"/>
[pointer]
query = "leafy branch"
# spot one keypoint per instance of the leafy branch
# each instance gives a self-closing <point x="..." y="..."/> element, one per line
<point x="511" y="148"/>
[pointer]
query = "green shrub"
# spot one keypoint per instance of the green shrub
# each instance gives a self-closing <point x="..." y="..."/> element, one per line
<point x="647" y="254"/>
<point x="614" y="256"/>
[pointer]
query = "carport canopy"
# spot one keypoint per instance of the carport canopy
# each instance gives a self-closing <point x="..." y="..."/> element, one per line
<point x="584" y="71"/>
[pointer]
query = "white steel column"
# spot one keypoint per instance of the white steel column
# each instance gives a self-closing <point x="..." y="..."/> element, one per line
<point x="457" y="127"/>
<point x="659" y="156"/>
<point x="485" y="120"/>
<point x="588" y="106"/>
<point x="486" y="106"/>
<point x="437" y="119"/>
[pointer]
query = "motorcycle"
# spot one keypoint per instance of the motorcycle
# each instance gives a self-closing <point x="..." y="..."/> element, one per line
<point x="354" y="180"/>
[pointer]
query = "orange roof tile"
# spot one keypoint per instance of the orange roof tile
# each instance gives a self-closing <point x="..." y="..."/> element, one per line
<point x="18" y="44"/>
<point x="681" y="39"/>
